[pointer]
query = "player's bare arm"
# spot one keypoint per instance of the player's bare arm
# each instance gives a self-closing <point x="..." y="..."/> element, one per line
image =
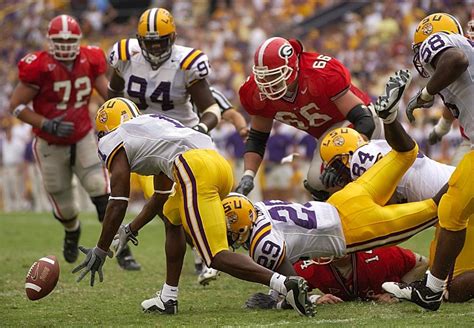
<point x="120" y="191"/>
<point x="116" y="86"/>
<point x="356" y="112"/>
<point x="206" y="105"/>
<point x="155" y="205"/>
<point x="101" y="85"/>
<point x="22" y="95"/>
<point x="449" y="65"/>
<point x="237" y="120"/>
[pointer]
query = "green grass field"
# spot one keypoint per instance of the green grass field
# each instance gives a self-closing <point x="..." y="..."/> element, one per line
<point x="116" y="302"/>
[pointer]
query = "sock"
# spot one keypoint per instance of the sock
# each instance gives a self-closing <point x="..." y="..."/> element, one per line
<point x="197" y="257"/>
<point x="72" y="226"/>
<point x="435" y="284"/>
<point x="169" y="293"/>
<point x="277" y="282"/>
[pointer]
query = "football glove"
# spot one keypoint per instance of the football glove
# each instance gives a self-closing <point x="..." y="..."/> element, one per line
<point x="420" y="100"/>
<point x="57" y="127"/>
<point x="245" y="185"/>
<point x="95" y="259"/>
<point x="121" y="239"/>
<point x="261" y="301"/>
<point x="329" y="177"/>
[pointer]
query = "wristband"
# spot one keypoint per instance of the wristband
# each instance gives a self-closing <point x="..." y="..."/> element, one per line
<point x="204" y="127"/>
<point x="250" y="172"/>
<point x="119" y="198"/>
<point x="442" y="127"/>
<point x="425" y="95"/>
<point x="18" y="109"/>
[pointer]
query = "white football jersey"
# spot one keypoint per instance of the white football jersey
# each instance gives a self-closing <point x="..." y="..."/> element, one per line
<point x="421" y="181"/>
<point x="296" y="231"/>
<point x="163" y="90"/>
<point x="152" y="143"/>
<point x="459" y="95"/>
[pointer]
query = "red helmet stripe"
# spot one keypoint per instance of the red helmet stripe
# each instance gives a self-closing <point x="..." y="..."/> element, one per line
<point x="261" y="51"/>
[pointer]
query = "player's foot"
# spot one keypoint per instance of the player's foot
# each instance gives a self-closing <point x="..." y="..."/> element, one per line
<point x="297" y="296"/>
<point x="386" y="105"/>
<point x="156" y="305"/>
<point x="415" y="292"/>
<point x="71" y="242"/>
<point x="198" y="267"/>
<point x="126" y="261"/>
<point x="207" y="275"/>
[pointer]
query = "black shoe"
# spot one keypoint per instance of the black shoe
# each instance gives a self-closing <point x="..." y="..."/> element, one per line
<point x="415" y="292"/>
<point x="297" y="296"/>
<point x="71" y="241"/>
<point x="126" y="261"/>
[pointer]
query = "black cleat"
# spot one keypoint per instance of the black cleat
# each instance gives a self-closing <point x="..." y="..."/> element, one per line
<point x="415" y="292"/>
<point x="297" y="296"/>
<point x="126" y="261"/>
<point x="71" y="241"/>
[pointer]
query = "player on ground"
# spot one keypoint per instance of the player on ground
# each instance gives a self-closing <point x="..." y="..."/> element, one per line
<point x="59" y="83"/>
<point x="444" y="55"/>
<point x="309" y="91"/>
<point x="354" y="277"/>
<point x="353" y="219"/>
<point x="160" y="146"/>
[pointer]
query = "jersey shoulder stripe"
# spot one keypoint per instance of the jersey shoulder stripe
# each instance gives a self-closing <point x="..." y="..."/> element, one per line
<point x="188" y="61"/>
<point x="260" y="234"/>
<point x="123" y="49"/>
<point x="112" y="154"/>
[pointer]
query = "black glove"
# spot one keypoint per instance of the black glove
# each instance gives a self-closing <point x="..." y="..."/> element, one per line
<point x="95" y="258"/>
<point x="329" y="177"/>
<point x="245" y="185"/>
<point x="57" y="127"/>
<point x="260" y="301"/>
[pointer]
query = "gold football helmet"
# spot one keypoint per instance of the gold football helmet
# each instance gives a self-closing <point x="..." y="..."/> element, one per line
<point x="434" y="23"/>
<point x="113" y="113"/>
<point x="156" y="35"/>
<point x="336" y="150"/>
<point x="240" y="215"/>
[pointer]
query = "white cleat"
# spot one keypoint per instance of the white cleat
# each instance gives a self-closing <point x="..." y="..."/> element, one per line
<point x="386" y="105"/>
<point x="207" y="275"/>
<point x="156" y="305"/>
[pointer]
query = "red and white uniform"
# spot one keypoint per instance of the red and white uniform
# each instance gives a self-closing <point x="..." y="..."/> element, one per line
<point x="63" y="91"/>
<point x="311" y="108"/>
<point x="369" y="271"/>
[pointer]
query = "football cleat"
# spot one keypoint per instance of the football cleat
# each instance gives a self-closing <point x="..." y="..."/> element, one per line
<point x="386" y="105"/>
<point x="70" y="246"/>
<point x="415" y="292"/>
<point x="156" y="305"/>
<point x="126" y="261"/>
<point x="297" y="296"/>
<point x="207" y="275"/>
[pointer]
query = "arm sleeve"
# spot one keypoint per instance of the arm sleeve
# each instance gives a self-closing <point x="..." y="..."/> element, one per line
<point x="433" y="45"/>
<point x="115" y="53"/>
<point x="196" y="66"/>
<point x="29" y="70"/>
<point x="97" y="59"/>
<point x="267" y="248"/>
<point x="338" y="80"/>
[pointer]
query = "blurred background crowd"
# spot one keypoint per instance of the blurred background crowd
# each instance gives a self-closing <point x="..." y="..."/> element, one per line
<point x="372" y="38"/>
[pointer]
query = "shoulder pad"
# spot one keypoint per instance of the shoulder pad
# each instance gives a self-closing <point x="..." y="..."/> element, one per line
<point x="189" y="58"/>
<point x="122" y="50"/>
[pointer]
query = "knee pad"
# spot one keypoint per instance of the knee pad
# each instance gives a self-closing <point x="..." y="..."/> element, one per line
<point x="65" y="207"/>
<point x="95" y="182"/>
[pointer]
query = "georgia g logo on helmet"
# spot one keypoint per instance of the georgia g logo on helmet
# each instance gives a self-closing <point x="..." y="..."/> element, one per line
<point x="285" y="51"/>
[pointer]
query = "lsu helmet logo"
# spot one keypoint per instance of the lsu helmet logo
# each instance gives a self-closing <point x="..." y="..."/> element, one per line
<point x="427" y="29"/>
<point x="103" y="117"/>
<point x="285" y="51"/>
<point x="339" y="141"/>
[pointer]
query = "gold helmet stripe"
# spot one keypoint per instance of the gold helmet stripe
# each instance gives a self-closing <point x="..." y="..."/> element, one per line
<point x="112" y="154"/>
<point x="262" y="232"/>
<point x="190" y="58"/>
<point x="152" y="28"/>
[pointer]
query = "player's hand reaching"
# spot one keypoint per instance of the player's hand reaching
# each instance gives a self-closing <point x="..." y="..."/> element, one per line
<point x="58" y="127"/>
<point x="245" y="185"/>
<point x="329" y="177"/>
<point x="95" y="259"/>
<point x="121" y="239"/>
<point x="421" y="100"/>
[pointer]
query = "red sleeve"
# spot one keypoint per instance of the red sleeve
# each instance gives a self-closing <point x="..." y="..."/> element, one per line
<point x="97" y="59"/>
<point x="29" y="69"/>
<point x="250" y="99"/>
<point x="399" y="261"/>
<point x="338" y="79"/>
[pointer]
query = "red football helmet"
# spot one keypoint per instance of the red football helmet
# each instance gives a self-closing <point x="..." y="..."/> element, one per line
<point x="275" y="67"/>
<point x="64" y="34"/>
<point x="470" y="27"/>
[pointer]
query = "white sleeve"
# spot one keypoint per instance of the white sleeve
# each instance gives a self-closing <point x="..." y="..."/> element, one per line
<point x="433" y="45"/>
<point x="108" y="147"/>
<point x="267" y="248"/>
<point x="198" y="68"/>
<point x="114" y="57"/>
<point x="363" y="159"/>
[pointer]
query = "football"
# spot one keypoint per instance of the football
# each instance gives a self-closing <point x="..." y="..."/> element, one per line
<point x="42" y="277"/>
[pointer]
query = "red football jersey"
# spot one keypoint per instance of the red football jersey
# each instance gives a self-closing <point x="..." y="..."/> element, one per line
<point x="321" y="80"/>
<point x="369" y="271"/>
<point x="63" y="91"/>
